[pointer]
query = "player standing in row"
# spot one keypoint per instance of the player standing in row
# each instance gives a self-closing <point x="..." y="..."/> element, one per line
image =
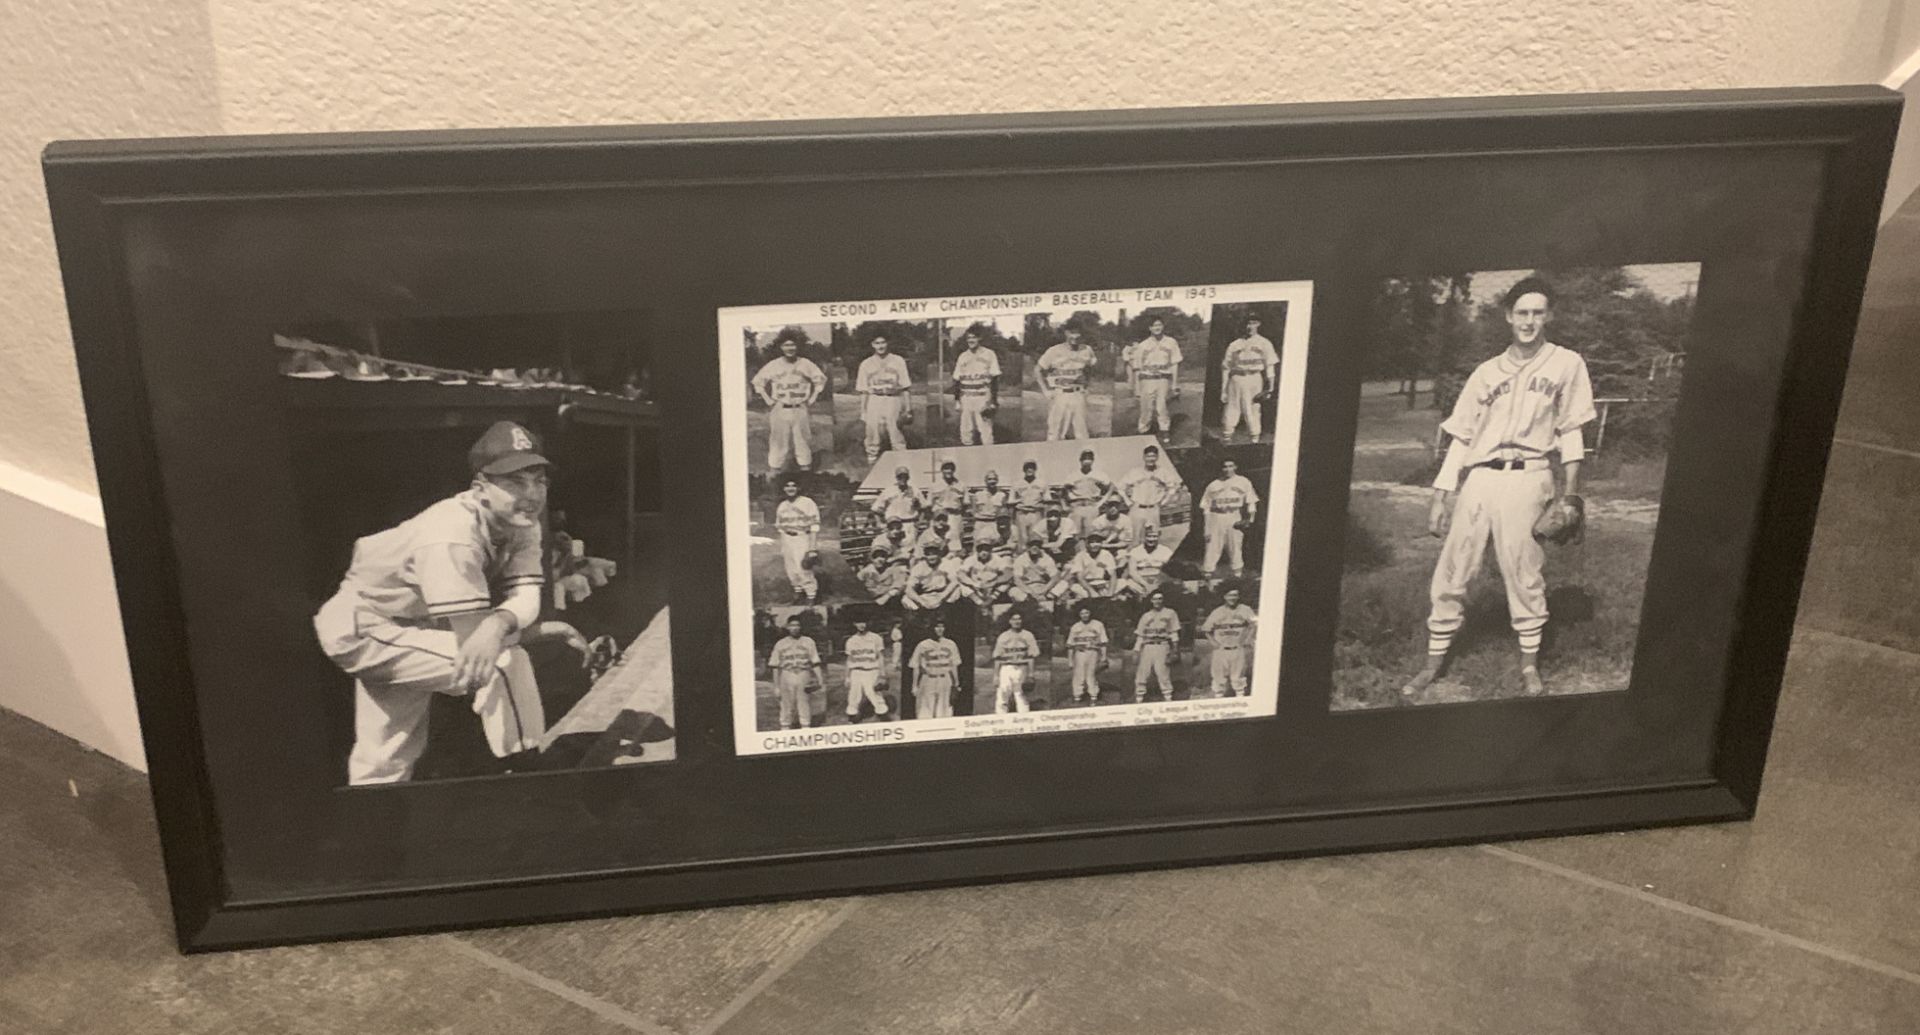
<point x="1153" y="372"/>
<point x="796" y="519"/>
<point x="900" y="501"/>
<point x="882" y="381"/>
<point x="990" y="505"/>
<point x="1062" y="373"/>
<point x="1230" y="628"/>
<point x="789" y="385"/>
<point x="949" y="500"/>
<point x="794" y="668"/>
<point x="1014" y="653"/>
<point x="866" y="671"/>
<point x="1248" y="373"/>
<point x="1031" y="498"/>
<point x="1087" y="650"/>
<point x="1229" y="502"/>
<point x="933" y="663"/>
<point x="442" y="603"/>
<point x="976" y="383"/>
<point x="1146" y="488"/>
<point x="1086" y="491"/>
<point x="1515" y="413"/>
<point x="1157" y="637"/>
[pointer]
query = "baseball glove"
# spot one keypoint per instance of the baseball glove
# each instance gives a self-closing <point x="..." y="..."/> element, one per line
<point x="811" y="560"/>
<point x="1243" y="524"/>
<point x="989" y="409"/>
<point x="906" y="417"/>
<point x="1563" y="522"/>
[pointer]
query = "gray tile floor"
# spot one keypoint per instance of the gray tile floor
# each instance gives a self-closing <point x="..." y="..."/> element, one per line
<point x="1806" y="920"/>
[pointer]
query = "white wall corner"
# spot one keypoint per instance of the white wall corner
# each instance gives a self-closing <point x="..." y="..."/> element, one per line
<point x="1904" y="177"/>
<point x="66" y="660"/>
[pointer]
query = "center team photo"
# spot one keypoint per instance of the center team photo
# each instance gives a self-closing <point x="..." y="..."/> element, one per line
<point x="1024" y="505"/>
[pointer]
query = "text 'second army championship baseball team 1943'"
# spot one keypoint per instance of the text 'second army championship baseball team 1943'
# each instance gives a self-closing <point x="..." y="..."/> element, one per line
<point x="1019" y="514"/>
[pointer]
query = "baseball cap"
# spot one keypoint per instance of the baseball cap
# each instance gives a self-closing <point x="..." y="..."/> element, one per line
<point x="506" y="447"/>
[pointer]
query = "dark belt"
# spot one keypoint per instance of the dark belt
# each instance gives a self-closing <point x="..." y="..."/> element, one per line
<point x="1515" y="465"/>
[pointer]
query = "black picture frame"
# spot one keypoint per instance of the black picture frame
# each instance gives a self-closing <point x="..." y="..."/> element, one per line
<point x="155" y="249"/>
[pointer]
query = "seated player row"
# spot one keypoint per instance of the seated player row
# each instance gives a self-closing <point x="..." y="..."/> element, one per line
<point x="790" y="384"/>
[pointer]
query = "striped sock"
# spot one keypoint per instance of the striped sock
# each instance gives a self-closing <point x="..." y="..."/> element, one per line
<point x="1530" y="641"/>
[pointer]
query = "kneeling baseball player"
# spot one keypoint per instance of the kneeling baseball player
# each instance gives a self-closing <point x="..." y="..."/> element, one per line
<point x="443" y="603"/>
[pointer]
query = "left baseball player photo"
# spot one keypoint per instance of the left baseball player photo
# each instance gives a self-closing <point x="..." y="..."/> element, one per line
<point x="484" y="608"/>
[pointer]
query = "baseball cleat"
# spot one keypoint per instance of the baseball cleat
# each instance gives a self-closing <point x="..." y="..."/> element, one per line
<point x="1530" y="678"/>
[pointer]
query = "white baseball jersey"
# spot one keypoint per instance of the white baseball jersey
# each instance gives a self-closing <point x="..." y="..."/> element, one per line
<point x="1144" y="565"/>
<point x="1520" y="411"/>
<point x="1016" y="647"/>
<point x="899" y="503"/>
<point x="1032" y="496"/>
<point x="882" y="375"/>
<point x="935" y="657"/>
<point x="790" y="383"/>
<point x="882" y="580"/>
<point x="994" y="571"/>
<point x="990" y="505"/>
<point x="794" y="654"/>
<point x="1088" y="635"/>
<point x="948" y="498"/>
<point x="1110" y="533"/>
<point x="932" y="578"/>
<point x="1250" y="355"/>
<point x="1088" y="488"/>
<point x="1094" y="571"/>
<point x="797" y="516"/>
<point x="1155" y="357"/>
<point x="1230" y="626"/>
<point x="1229" y="495"/>
<point x="975" y="370"/>
<point x="1144" y="488"/>
<point x="1035" y="575"/>
<point x="1162" y="626"/>
<point x="865" y="651"/>
<point x="439" y="563"/>
<point x="1055" y="537"/>
<point x="1062" y="367"/>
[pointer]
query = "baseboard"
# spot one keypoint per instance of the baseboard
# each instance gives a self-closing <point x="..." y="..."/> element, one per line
<point x="1904" y="177"/>
<point x="66" y="662"/>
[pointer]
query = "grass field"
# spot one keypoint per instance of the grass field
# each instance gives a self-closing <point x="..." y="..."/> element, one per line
<point x="1184" y="409"/>
<point x="1594" y="589"/>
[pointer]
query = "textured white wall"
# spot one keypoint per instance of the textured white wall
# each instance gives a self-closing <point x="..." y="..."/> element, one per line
<point x="76" y="68"/>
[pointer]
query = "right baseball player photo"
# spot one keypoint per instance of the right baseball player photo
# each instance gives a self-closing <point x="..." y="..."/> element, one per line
<point x="1534" y="406"/>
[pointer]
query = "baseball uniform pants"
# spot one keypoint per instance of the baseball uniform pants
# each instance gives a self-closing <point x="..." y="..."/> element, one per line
<point x="1067" y="415"/>
<point x="1010" y="686"/>
<point x="396" y="669"/>
<point x="1223" y="537"/>
<point x="882" y="417"/>
<point x="1241" y="404"/>
<point x="1026" y="526"/>
<point x="1500" y="506"/>
<point x="1153" y="666"/>
<point x="1145" y="516"/>
<point x="788" y="431"/>
<point x="1153" y="403"/>
<point x="1229" y="671"/>
<point x="863" y="684"/>
<point x="1086" y="669"/>
<point x="793" y="550"/>
<point x="796" y="711"/>
<point x="975" y="427"/>
<point x="933" y="697"/>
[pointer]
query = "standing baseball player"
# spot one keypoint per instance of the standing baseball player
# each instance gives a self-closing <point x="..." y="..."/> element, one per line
<point x="1144" y="566"/>
<point x="796" y="520"/>
<point x="1157" y="637"/>
<point x="976" y="387"/>
<point x="1062" y="373"/>
<point x="442" y="603"/>
<point x="866" y="671"/>
<point x="788" y="385"/>
<point x="1145" y="489"/>
<point x="1248" y="373"/>
<point x="990" y="505"/>
<point x="794" y="668"/>
<point x="882" y="382"/>
<point x="1230" y="629"/>
<point x="933" y="663"/>
<point x="1153" y="372"/>
<point x="1515" y="413"/>
<point x="1086" y="490"/>
<point x="1030" y="499"/>
<point x="1014" y="653"/>
<point x="949" y="500"/>
<point x="1087" y="653"/>
<point x="1229" y="502"/>
<point x="899" y="501"/>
